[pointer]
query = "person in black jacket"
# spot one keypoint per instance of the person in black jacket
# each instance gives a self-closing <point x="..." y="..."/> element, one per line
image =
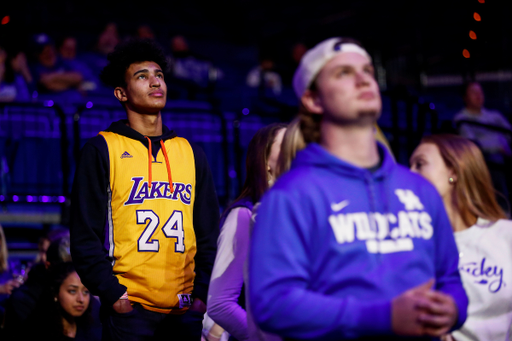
<point x="144" y="211"/>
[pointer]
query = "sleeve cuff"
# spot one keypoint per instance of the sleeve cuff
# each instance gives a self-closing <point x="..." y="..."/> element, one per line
<point x="113" y="294"/>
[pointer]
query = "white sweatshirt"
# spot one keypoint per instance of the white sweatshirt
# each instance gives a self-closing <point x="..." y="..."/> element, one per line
<point x="485" y="265"/>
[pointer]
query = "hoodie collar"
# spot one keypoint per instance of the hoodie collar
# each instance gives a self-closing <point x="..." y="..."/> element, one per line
<point x="316" y="156"/>
<point x="120" y="127"/>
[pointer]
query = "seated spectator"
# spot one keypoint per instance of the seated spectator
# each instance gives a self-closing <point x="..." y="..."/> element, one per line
<point x="288" y="69"/>
<point x="96" y="60"/>
<point x="145" y="32"/>
<point x="67" y="48"/>
<point x="68" y="310"/>
<point x="189" y="70"/>
<point x="27" y="304"/>
<point x="7" y="282"/>
<point x="265" y="78"/>
<point x="494" y="144"/>
<point x="50" y="72"/>
<point x="456" y="168"/>
<point x="15" y="76"/>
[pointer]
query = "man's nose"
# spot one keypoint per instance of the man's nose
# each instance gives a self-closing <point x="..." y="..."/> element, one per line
<point x="362" y="78"/>
<point x="155" y="81"/>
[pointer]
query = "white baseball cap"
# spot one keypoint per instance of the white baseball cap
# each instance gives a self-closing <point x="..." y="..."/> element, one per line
<point x="314" y="60"/>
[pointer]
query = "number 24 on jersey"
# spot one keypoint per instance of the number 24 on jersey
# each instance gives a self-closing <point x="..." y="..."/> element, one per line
<point x="173" y="228"/>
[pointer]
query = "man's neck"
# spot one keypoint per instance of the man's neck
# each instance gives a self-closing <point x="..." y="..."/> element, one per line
<point x="147" y="125"/>
<point x="474" y="110"/>
<point x="353" y="144"/>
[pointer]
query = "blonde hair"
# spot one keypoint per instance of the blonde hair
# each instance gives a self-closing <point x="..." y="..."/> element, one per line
<point x="474" y="194"/>
<point x="293" y="141"/>
<point x="4" y="255"/>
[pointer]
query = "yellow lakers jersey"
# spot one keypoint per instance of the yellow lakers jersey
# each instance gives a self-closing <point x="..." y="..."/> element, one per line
<point x="151" y="237"/>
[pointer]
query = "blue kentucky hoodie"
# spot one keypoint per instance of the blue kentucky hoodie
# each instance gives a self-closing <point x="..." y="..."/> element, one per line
<point x="333" y="244"/>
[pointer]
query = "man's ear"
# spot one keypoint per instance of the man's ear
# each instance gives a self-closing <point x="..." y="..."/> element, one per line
<point x="120" y="94"/>
<point x="311" y="102"/>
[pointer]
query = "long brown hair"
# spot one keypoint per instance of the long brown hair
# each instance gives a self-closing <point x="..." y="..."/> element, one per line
<point x="474" y="194"/>
<point x="256" y="182"/>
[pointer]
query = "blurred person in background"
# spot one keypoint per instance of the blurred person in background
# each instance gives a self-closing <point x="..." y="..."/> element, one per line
<point x="144" y="31"/>
<point x="15" y="77"/>
<point x="51" y="73"/>
<point x="96" y="60"/>
<point x="67" y="49"/>
<point x="190" y="71"/>
<point x="495" y="145"/>
<point x="226" y="297"/>
<point x="7" y="282"/>
<point x="456" y="167"/>
<point x="265" y="78"/>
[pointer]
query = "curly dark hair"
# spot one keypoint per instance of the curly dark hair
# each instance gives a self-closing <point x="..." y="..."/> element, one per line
<point x="127" y="53"/>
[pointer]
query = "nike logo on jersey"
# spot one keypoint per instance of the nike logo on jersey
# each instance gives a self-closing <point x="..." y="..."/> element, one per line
<point x="126" y="155"/>
<point x="339" y="206"/>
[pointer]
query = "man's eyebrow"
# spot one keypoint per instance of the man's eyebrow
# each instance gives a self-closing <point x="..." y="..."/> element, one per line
<point x="140" y="71"/>
<point x="146" y="70"/>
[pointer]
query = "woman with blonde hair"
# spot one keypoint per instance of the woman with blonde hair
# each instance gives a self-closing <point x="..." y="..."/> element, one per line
<point x="456" y="167"/>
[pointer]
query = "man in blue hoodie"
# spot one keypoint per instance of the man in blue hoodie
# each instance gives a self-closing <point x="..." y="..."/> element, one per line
<point x="348" y="244"/>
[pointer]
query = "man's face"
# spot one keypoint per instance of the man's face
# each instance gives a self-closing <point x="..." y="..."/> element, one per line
<point x="48" y="57"/>
<point x="146" y="91"/>
<point x="474" y="96"/>
<point x="68" y="48"/>
<point x="347" y="91"/>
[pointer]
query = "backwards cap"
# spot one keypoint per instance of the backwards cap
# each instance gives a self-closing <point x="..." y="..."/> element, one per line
<point x="314" y="60"/>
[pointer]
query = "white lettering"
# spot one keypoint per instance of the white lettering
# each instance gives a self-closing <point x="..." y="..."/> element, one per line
<point x="426" y="227"/>
<point x="382" y="225"/>
<point x="343" y="227"/>
<point x="405" y="226"/>
<point x="414" y="217"/>
<point x="409" y="199"/>
<point x="364" y="232"/>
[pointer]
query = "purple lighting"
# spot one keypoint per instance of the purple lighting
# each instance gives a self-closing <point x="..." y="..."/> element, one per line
<point x="88" y="105"/>
<point x="245" y="111"/>
<point x="431" y="106"/>
<point x="2" y="198"/>
<point x="15" y="198"/>
<point x="48" y="103"/>
<point x="30" y="198"/>
<point x="232" y="174"/>
<point x="44" y="198"/>
<point x="61" y="199"/>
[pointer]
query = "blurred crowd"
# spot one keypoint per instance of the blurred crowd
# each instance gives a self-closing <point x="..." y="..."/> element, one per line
<point x="61" y="66"/>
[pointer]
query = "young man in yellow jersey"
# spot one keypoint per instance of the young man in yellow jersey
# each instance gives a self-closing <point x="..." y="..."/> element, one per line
<point x="144" y="211"/>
